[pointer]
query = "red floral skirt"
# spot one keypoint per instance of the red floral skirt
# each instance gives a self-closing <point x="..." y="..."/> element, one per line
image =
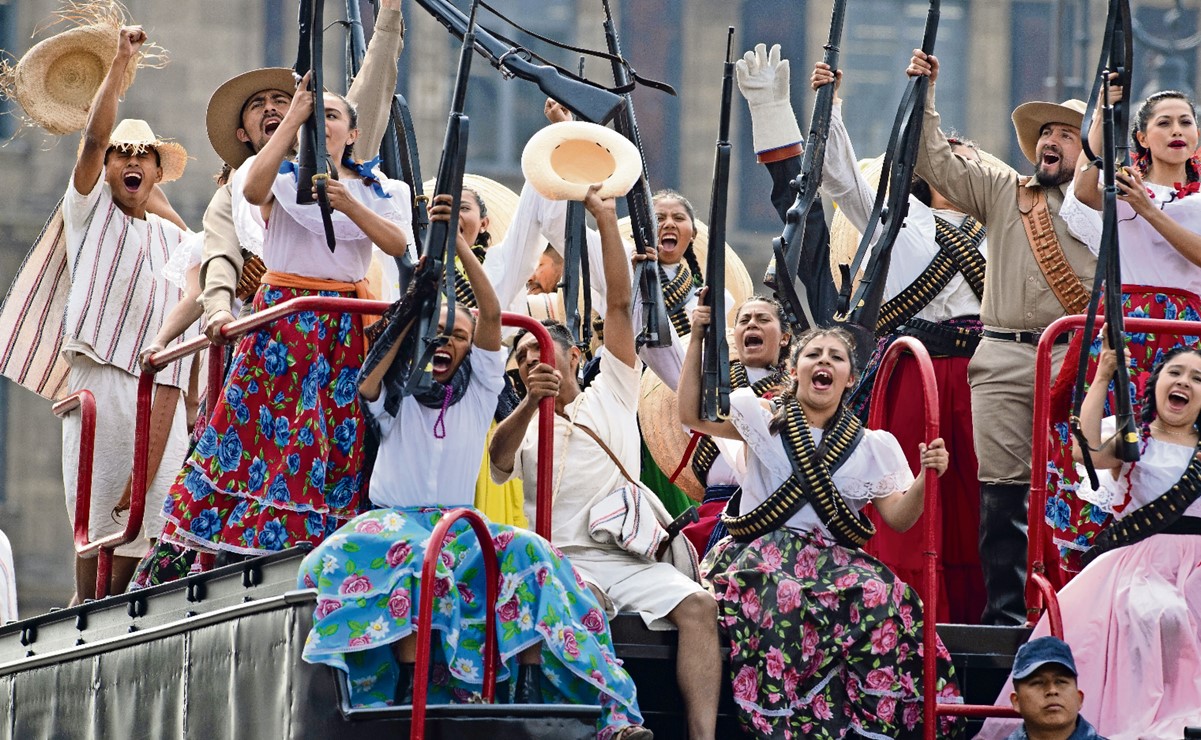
<point x="280" y="463"/>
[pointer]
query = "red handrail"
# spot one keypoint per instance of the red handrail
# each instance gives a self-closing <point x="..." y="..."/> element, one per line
<point x="433" y="552"/>
<point x="931" y="512"/>
<point x="86" y="403"/>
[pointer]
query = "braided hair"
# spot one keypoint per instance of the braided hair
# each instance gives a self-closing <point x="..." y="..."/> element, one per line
<point x="1140" y="155"/>
<point x="482" y="239"/>
<point x="698" y="277"/>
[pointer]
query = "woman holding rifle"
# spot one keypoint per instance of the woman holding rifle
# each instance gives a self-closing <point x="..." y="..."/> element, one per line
<point x="1159" y="230"/>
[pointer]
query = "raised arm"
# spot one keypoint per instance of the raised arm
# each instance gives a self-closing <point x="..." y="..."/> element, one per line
<point x="619" y="320"/>
<point x="220" y="264"/>
<point x="263" y="168"/>
<point x="372" y="89"/>
<point x="1091" y="412"/>
<point x="1088" y="184"/>
<point x="385" y="233"/>
<point x="901" y="509"/>
<point x="841" y="179"/>
<point x="178" y="319"/>
<point x="688" y="395"/>
<point x="103" y="115"/>
<point x="487" y="322"/>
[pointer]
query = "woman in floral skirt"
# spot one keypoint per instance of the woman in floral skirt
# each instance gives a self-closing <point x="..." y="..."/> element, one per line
<point x="825" y="641"/>
<point x="554" y="641"/>
<point x="1159" y="229"/>
<point x="281" y="462"/>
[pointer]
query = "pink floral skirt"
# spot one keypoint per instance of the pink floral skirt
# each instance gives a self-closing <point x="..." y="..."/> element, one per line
<point x="825" y="642"/>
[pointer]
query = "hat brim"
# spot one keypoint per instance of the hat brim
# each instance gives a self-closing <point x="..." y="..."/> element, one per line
<point x="1029" y="119"/>
<point x="56" y="80"/>
<point x="500" y="201"/>
<point x="224" y="115"/>
<point x="845" y="238"/>
<point x="564" y="159"/>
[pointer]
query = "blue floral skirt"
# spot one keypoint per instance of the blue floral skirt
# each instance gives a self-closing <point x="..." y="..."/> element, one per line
<point x="368" y="573"/>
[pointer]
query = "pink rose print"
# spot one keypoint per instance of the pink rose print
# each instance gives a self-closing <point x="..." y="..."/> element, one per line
<point x="846" y="581"/>
<point x="884" y="638"/>
<point x="771" y="559"/>
<point x="359" y="641"/>
<point x="502" y="540"/>
<point x="355" y="585"/>
<point x="880" y="679"/>
<point x="368" y="526"/>
<point x="854" y="614"/>
<point x="398" y="553"/>
<point x="775" y="662"/>
<point x="509" y="611"/>
<point x="913" y="714"/>
<point x="594" y="621"/>
<point x="788" y="596"/>
<point x="821" y="709"/>
<point x="326" y="607"/>
<point x="441" y="587"/>
<point x="907" y="617"/>
<point x="746" y="684"/>
<point x="886" y="709"/>
<point x="399" y="605"/>
<point x="309" y="582"/>
<point x="466" y="593"/>
<point x="809" y="642"/>
<point x="570" y="645"/>
<point x="806" y="564"/>
<point x="750" y="605"/>
<point x="875" y="593"/>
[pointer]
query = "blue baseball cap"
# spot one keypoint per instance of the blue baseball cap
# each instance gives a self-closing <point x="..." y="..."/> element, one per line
<point x="1039" y="652"/>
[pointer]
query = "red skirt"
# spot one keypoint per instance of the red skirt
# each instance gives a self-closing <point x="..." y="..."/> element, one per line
<point x="1075" y="522"/>
<point x="960" y="580"/>
<point x="281" y="462"/>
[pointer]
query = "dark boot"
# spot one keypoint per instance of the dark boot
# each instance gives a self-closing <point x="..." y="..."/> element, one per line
<point x="404" y="684"/>
<point x="529" y="684"/>
<point x="1003" y="552"/>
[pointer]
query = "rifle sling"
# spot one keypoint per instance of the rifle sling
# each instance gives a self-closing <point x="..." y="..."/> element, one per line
<point x="1153" y="518"/>
<point x="1048" y="252"/>
<point x="706" y="451"/>
<point x="956" y="247"/>
<point x="811" y="482"/>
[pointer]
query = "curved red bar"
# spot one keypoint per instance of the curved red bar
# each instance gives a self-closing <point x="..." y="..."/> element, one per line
<point x="433" y="552"/>
<point x="930" y="510"/>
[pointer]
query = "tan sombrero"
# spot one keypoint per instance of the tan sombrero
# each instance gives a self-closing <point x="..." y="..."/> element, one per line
<point x="135" y="134"/>
<point x="562" y="160"/>
<point x="1029" y="118"/>
<point x="844" y="238"/>
<point x="666" y="439"/>
<point x="224" y="116"/>
<point x="738" y="280"/>
<point x="56" y="80"/>
<point x="500" y="201"/>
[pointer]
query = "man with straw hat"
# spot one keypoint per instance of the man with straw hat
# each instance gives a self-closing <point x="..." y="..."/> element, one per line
<point x="1034" y="276"/>
<point x="116" y="249"/>
<point x="242" y="115"/>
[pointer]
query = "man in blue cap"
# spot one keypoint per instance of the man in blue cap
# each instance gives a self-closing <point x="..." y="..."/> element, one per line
<point x="1046" y="695"/>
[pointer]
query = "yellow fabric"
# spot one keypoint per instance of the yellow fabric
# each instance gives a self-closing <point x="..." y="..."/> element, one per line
<point x="501" y="502"/>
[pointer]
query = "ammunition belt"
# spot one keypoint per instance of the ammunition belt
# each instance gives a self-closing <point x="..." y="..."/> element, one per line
<point x="253" y="270"/>
<point x="963" y="244"/>
<point x="958" y="253"/>
<point x="942" y="340"/>
<point x="675" y="297"/>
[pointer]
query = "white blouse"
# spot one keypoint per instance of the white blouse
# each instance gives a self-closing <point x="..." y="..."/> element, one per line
<point x="1146" y="256"/>
<point x="1158" y="469"/>
<point x="874" y="469"/>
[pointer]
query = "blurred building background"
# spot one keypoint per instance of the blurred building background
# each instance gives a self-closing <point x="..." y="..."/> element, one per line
<point x="994" y="54"/>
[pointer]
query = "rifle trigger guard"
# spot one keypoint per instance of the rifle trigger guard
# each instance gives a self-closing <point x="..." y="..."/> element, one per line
<point x="519" y="51"/>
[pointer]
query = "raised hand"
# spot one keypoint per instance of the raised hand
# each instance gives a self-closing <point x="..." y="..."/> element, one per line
<point x="130" y="41"/>
<point x="923" y="64"/>
<point x="763" y="79"/>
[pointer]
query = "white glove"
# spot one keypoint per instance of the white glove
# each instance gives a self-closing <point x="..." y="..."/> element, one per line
<point x="763" y="81"/>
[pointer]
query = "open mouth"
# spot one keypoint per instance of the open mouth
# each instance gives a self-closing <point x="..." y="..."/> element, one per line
<point x="752" y="341"/>
<point x="270" y="124"/>
<point x="823" y="379"/>
<point x="1177" y="400"/>
<point x="668" y="242"/>
<point x="441" y="362"/>
<point x="1050" y="159"/>
<point x="132" y="181"/>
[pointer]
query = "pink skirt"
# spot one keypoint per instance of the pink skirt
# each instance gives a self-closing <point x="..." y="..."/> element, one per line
<point x="1133" y="619"/>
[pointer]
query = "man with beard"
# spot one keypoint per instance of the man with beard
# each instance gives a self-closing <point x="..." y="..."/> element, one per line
<point x="242" y="115"/>
<point x="1034" y="276"/>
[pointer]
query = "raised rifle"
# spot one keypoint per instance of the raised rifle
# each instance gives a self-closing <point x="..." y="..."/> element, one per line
<point x="576" y="277"/>
<point x="715" y="352"/>
<point x="787" y="285"/>
<point x="656" y="324"/>
<point x="586" y="100"/>
<point x="312" y="161"/>
<point x="439" y="249"/>
<point x="860" y="312"/>
<point x="1117" y="54"/>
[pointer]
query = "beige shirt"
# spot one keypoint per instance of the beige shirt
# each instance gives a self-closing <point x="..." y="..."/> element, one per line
<point x="371" y="93"/>
<point x="1016" y="296"/>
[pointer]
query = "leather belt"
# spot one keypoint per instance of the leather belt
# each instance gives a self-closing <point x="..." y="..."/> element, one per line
<point x="941" y="340"/>
<point x="1022" y="337"/>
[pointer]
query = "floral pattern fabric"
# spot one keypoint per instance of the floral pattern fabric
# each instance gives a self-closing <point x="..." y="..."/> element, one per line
<point x="280" y="463"/>
<point x="368" y="580"/>
<point x="825" y="642"/>
<point x="1075" y="522"/>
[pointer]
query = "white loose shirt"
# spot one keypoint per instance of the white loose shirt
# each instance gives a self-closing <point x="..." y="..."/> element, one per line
<point x="915" y="246"/>
<point x="1158" y="469"/>
<point x="119" y="296"/>
<point x="874" y="469"/>
<point x="415" y="467"/>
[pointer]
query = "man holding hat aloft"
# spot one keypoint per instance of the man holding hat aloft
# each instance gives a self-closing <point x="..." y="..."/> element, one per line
<point x="1034" y="276"/>
<point x="116" y="251"/>
<point x="242" y="115"/>
<point x="1046" y="695"/>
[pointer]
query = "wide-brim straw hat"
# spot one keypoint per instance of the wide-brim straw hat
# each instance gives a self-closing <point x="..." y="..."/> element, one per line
<point x="562" y="160"/>
<point x="844" y="238"/>
<point x="134" y="134"/>
<point x="665" y="438"/>
<point x="57" y="79"/>
<point x="1029" y="119"/>
<point x="500" y="201"/>
<point x="738" y="280"/>
<point x="224" y="115"/>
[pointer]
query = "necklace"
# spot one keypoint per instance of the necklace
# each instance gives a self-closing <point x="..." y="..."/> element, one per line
<point x="1184" y="435"/>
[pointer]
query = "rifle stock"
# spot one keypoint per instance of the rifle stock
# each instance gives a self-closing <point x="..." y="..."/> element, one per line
<point x="715" y="352"/>
<point x="656" y="324"/>
<point x="587" y="101"/>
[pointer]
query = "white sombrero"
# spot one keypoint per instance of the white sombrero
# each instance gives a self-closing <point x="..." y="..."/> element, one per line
<point x="562" y="160"/>
<point x="500" y="201"/>
<point x="1029" y="119"/>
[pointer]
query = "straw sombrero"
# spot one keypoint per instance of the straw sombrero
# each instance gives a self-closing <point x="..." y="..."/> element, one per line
<point x="1029" y="118"/>
<point x="56" y="80"/>
<point x="738" y="280"/>
<point x="135" y="134"/>
<point x="500" y="201"/>
<point x="844" y="238"/>
<point x="563" y="159"/>
<point x="665" y="437"/>
<point x="224" y="115"/>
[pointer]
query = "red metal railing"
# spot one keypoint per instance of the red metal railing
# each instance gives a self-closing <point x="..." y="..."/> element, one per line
<point x="433" y="552"/>
<point x="86" y="403"/>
